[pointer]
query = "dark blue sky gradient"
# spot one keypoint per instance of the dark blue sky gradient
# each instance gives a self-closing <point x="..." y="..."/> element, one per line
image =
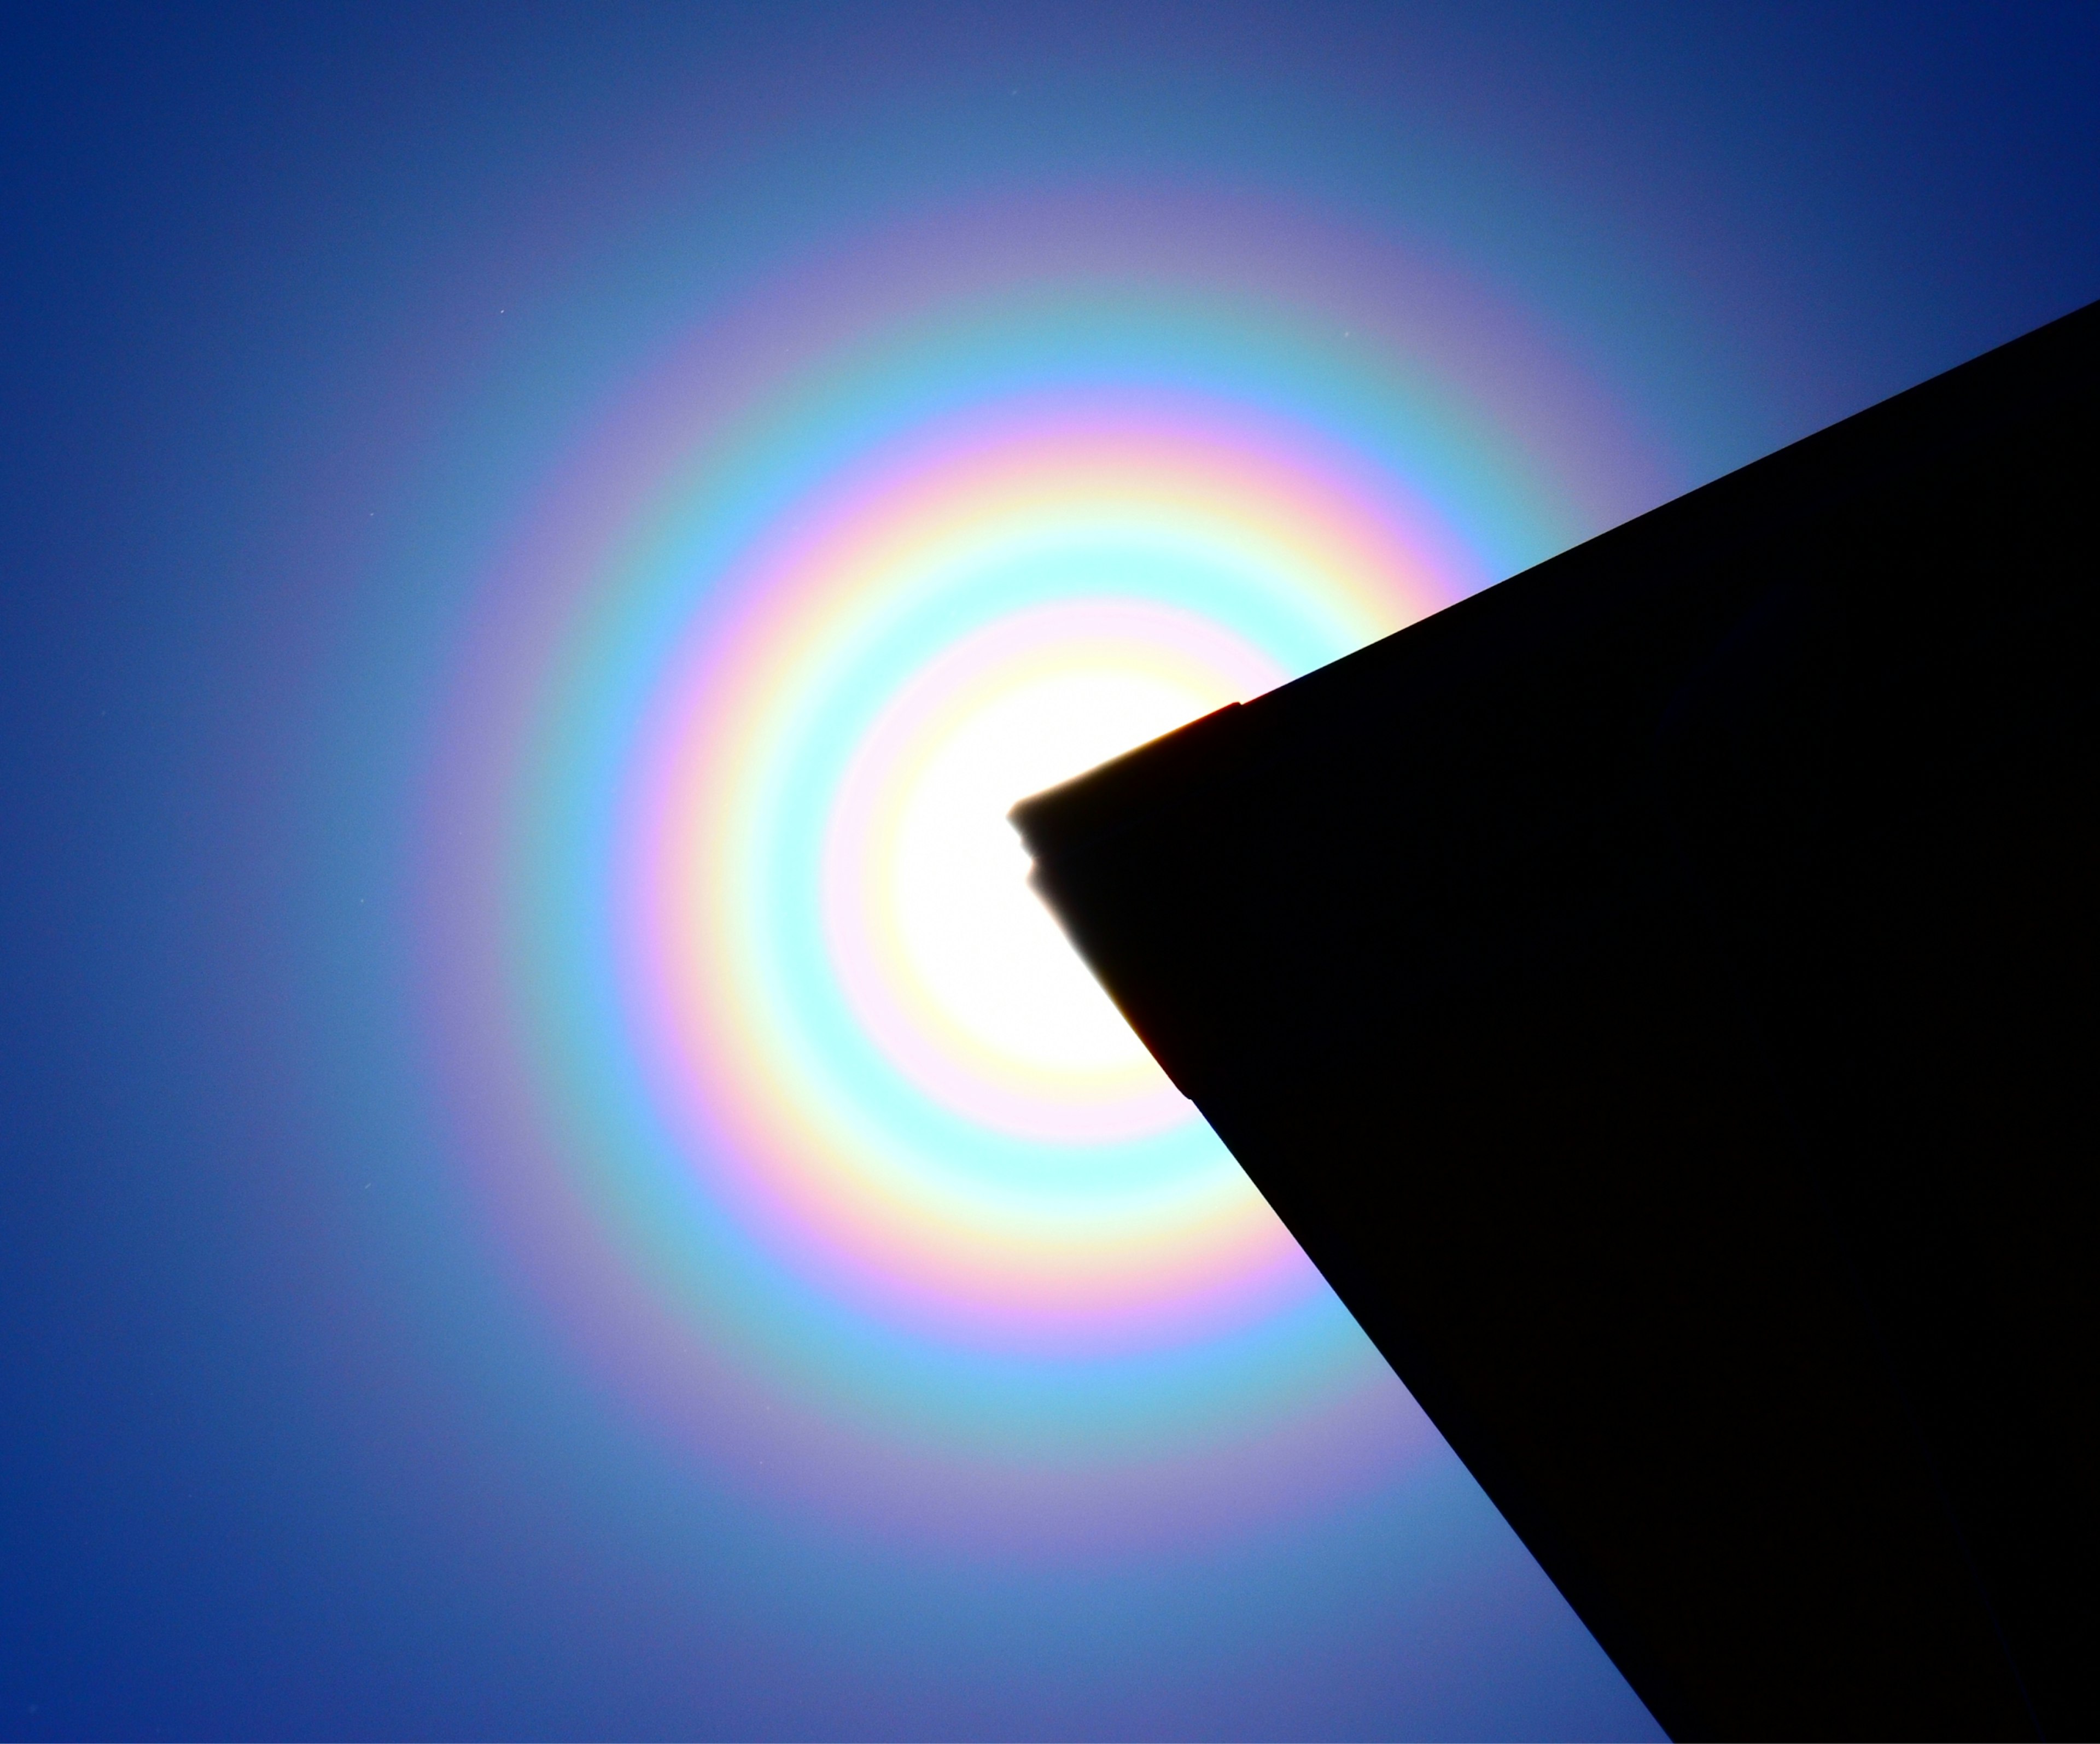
<point x="255" y="261"/>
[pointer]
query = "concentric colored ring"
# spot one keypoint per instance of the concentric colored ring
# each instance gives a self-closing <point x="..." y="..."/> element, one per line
<point x="805" y="1115"/>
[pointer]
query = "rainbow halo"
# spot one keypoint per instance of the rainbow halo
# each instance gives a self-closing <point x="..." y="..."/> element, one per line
<point x="792" y="1083"/>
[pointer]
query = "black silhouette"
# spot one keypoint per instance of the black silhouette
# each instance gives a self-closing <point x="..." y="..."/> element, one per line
<point x="1659" y="993"/>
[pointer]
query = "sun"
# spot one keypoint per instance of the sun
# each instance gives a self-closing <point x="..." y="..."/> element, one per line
<point x="951" y="961"/>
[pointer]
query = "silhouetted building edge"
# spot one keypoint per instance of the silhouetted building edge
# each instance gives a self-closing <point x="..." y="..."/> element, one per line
<point x="1659" y="993"/>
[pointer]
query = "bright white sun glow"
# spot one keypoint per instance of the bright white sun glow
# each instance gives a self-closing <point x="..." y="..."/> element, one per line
<point x="974" y="938"/>
<point x="951" y="961"/>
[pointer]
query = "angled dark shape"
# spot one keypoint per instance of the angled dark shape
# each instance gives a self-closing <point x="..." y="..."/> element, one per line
<point x="1659" y="993"/>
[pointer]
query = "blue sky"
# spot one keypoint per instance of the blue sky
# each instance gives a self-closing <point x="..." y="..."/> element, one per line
<point x="302" y="306"/>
